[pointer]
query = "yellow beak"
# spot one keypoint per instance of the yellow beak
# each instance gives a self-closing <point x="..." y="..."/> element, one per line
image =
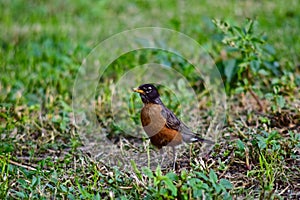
<point x="138" y="90"/>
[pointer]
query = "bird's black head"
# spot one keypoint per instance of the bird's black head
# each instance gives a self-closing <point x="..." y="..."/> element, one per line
<point x="148" y="93"/>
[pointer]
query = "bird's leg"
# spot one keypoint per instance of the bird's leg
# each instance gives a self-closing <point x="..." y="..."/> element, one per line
<point x="190" y="157"/>
<point x="161" y="152"/>
<point x="174" y="157"/>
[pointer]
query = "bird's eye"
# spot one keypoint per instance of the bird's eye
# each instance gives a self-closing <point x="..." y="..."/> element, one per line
<point x="148" y="91"/>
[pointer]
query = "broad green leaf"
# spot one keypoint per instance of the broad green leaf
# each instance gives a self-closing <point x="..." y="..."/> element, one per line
<point x="261" y="142"/>
<point x="217" y="187"/>
<point x="183" y="174"/>
<point x="194" y="182"/>
<point x="254" y="65"/>
<point x="197" y="193"/>
<point x="240" y="145"/>
<point x="172" y="176"/>
<point x="22" y="195"/>
<point x="158" y="172"/>
<point x="270" y="49"/>
<point x="63" y="188"/>
<point x="147" y="172"/>
<point x="230" y="69"/>
<point x="171" y="186"/>
<point x="6" y="147"/>
<point x="263" y="72"/>
<point x="249" y="26"/>
<point x="227" y="196"/>
<point x="273" y="135"/>
<point x="97" y="196"/>
<point x="226" y="184"/>
<point x="239" y="90"/>
<point x="34" y="181"/>
<point x="213" y="176"/>
<point x="205" y="187"/>
<point x="280" y="101"/>
<point x="201" y="175"/>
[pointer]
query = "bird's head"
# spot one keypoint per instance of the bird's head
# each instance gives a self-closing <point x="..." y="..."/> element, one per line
<point x="148" y="93"/>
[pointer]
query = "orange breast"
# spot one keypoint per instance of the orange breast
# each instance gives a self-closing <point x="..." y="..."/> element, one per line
<point x="154" y="125"/>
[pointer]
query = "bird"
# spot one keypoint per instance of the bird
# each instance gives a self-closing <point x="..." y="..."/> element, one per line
<point x="161" y="124"/>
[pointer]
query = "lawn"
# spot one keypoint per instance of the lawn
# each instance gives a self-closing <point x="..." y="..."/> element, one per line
<point x="70" y="123"/>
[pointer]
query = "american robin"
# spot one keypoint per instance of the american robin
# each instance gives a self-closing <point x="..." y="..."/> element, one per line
<point x="161" y="124"/>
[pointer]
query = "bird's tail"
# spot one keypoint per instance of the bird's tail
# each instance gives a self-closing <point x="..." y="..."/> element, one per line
<point x="199" y="139"/>
<point x="189" y="138"/>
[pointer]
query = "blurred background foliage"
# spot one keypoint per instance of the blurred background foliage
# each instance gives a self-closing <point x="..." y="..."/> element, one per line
<point x="43" y="43"/>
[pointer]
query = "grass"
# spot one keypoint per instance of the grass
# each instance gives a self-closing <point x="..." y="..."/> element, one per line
<point x="42" y="156"/>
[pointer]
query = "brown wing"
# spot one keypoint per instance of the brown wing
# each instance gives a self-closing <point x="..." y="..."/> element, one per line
<point x="172" y="121"/>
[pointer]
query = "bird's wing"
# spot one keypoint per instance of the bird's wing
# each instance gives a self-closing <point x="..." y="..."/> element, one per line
<point x="187" y="134"/>
<point x="172" y="121"/>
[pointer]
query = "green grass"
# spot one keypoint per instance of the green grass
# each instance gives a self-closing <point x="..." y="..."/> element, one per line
<point x="42" y="45"/>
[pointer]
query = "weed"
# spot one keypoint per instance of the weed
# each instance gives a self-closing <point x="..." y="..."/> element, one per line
<point x="250" y="57"/>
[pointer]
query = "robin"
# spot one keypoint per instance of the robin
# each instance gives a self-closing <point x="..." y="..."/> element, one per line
<point x="161" y="124"/>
